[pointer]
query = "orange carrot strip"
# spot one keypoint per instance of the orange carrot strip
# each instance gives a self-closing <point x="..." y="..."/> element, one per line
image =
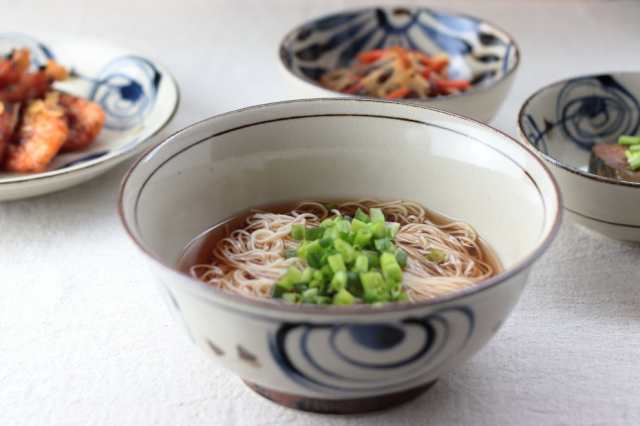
<point x="439" y="63"/>
<point x="398" y="93"/>
<point x="370" y="56"/>
<point x="453" y="84"/>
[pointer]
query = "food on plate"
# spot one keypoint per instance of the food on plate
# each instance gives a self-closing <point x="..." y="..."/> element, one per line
<point x="395" y="73"/>
<point x="619" y="161"/>
<point x="37" y="121"/>
<point x="341" y="253"/>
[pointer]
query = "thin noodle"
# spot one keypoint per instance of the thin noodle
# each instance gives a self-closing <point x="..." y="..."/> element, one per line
<point x="250" y="260"/>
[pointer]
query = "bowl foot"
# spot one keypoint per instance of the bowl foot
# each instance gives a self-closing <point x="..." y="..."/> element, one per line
<point x="340" y="406"/>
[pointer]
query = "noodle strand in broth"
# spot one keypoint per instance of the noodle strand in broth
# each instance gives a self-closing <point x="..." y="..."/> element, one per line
<point x="250" y="260"/>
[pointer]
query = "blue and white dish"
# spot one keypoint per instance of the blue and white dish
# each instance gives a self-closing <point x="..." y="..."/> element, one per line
<point x="478" y="51"/>
<point x="332" y="358"/>
<point x="138" y="95"/>
<point x="563" y="121"/>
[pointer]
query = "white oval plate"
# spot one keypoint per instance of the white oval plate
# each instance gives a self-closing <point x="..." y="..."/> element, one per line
<point x="138" y="95"/>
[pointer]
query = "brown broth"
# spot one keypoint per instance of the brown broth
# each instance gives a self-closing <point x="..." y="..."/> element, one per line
<point x="199" y="251"/>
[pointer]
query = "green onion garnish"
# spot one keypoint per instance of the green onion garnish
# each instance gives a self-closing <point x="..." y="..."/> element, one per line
<point x="629" y="140"/>
<point x="297" y="232"/>
<point x="347" y="261"/>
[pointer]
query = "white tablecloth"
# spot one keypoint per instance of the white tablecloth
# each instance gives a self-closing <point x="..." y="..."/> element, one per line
<point x="85" y="339"/>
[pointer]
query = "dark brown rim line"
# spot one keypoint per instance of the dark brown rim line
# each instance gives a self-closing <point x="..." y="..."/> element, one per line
<point x="472" y="91"/>
<point x="551" y="159"/>
<point x="116" y="157"/>
<point x="212" y="293"/>
<point x="622" y="225"/>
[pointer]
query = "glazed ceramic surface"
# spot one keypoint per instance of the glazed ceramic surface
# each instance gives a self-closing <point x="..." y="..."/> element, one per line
<point x="562" y="121"/>
<point x="340" y="148"/>
<point x="138" y="96"/>
<point x="478" y="51"/>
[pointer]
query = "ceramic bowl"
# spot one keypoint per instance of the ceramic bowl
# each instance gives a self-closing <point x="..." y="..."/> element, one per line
<point x="340" y="359"/>
<point x="478" y="51"/>
<point x="138" y="95"/>
<point x="562" y="121"/>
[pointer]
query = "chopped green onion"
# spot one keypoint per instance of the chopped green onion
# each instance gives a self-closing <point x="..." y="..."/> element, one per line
<point x="357" y="225"/>
<point x="327" y="222"/>
<point x="326" y="242"/>
<point x="307" y="274"/>
<point x="629" y="140"/>
<point x="279" y="290"/>
<point x="436" y="256"/>
<point x="336" y="263"/>
<point x="343" y="297"/>
<point x="634" y="162"/>
<point x="392" y="229"/>
<point x="345" y="249"/>
<point x="379" y="230"/>
<point x="363" y="238"/>
<point x="362" y="216"/>
<point x="634" y="148"/>
<point x="315" y="254"/>
<point x="390" y="267"/>
<point x="309" y="296"/>
<point x="376" y="215"/>
<point x="291" y="297"/>
<point x="312" y="234"/>
<point x="353" y="284"/>
<point x="339" y="281"/>
<point x="372" y="283"/>
<point x="401" y="258"/>
<point x="300" y="287"/>
<point x="290" y="252"/>
<point x="343" y="226"/>
<point x="361" y="264"/>
<point x="373" y="258"/>
<point x="383" y="244"/>
<point x="290" y="277"/>
<point x="322" y="300"/>
<point x="297" y="232"/>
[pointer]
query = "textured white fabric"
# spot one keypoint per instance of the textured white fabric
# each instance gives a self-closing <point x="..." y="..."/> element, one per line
<point x="85" y="339"/>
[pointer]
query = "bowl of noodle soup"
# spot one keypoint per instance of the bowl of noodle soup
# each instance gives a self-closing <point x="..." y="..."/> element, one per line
<point x="339" y="255"/>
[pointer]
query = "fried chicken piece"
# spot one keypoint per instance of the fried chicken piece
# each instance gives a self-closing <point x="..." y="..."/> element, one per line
<point x="9" y="114"/>
<point x="19" y="85"/>
<point x="85" y="120"/>
<point x="42" y="133"/>
<point x="14" y="66"/>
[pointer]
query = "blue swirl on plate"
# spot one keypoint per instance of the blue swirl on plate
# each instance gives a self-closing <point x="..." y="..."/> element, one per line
<point x="350" y="357"/>
<point x="126" y="89"/>
<point x="477" y="51"/>
<point x="588" y="110"/>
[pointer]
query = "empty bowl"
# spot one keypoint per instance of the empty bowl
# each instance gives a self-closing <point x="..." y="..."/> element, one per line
<point x="562" y="122"/>
<point x="478" y="51"/>
<point x="331" y="358"/>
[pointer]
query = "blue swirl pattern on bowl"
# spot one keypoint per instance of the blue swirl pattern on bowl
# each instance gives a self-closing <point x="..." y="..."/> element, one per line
<point x="588" y="110"/>
<point x="371" y="355"/>
<point x="478" y="51"/>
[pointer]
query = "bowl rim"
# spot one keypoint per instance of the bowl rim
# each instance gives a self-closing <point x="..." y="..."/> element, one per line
<point x="554" y="161"/>
<point x="472" y="91"/>
<point x="212" y="293"/>
<point x="118" y="155"/>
